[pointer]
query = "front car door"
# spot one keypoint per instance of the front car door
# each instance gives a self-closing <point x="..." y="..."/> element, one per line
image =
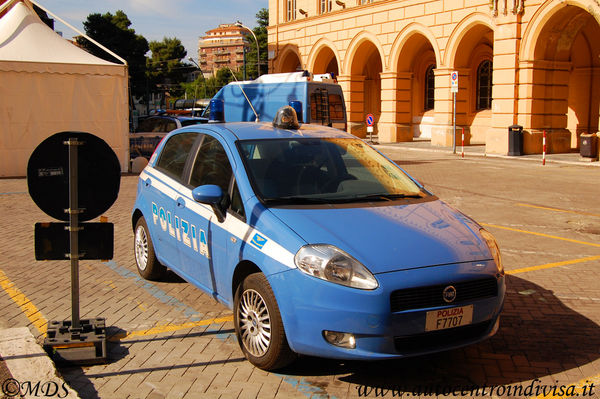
<point x="198" y="248"/>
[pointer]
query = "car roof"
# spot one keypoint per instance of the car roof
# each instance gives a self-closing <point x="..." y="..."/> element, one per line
<point x="265" y="130"/>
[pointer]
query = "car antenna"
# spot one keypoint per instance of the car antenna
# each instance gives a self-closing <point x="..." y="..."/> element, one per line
<point x="244" y="93"/>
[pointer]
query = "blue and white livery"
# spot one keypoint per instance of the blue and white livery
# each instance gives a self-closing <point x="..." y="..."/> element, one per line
<point x="320" y="244"/>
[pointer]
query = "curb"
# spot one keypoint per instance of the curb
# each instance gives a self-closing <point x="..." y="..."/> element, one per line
<point x="538" y="158"/>
<point x="33" y="373"/>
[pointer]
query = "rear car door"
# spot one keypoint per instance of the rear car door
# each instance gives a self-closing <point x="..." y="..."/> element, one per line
<point x="162" y="185"/>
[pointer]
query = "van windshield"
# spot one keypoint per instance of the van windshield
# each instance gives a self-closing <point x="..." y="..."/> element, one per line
<point x="327" y="170"/>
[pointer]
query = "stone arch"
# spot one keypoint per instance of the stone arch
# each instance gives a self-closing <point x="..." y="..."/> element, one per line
<point x="354" y="47"/>
<point x="470" y="43"/>
<point x="541" y="17"/>
<point x="364" y="63"/>
<point x="414" y="51"/>
<point x="405" y="35"/>
<point x="324" y="57"/>
<point x="289" y="59"/>
<point x="561" y="57"/>
<point x="463" y="28"/>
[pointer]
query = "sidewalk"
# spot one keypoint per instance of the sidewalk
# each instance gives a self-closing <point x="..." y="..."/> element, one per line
<point x="479" y="151"/>
<point x="26" y="371"/>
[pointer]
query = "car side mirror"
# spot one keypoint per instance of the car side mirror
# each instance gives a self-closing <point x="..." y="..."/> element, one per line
<point x="212" y="195"/>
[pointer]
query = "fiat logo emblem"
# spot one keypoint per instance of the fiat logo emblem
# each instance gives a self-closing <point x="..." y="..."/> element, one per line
<point x="449" y="294"/>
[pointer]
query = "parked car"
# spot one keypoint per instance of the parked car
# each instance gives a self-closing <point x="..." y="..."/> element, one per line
<point x="320" y="245"/>
<point x="151" y="131"/>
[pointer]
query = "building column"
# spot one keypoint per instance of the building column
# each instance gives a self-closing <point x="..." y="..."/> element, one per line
<point x="388" y="131"/>
<point x="353" y="87"/>
<point x="505" y="83"/>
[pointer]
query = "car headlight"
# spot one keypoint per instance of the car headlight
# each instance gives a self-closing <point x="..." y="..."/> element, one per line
<point x="494" y="249"/>
<point x="332" y="264"/>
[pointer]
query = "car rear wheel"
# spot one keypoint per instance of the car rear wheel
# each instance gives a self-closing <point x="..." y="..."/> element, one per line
<point x="258" y="324"/>
<point x="148" y="266"/>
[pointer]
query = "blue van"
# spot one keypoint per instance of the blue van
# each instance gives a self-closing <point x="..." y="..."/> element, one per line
<point x="321" y="97"/>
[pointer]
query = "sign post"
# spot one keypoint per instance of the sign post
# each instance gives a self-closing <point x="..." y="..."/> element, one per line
<point x="454" y="90"/>
<point x="74" y="177"/>
<point x="370" y="120"/>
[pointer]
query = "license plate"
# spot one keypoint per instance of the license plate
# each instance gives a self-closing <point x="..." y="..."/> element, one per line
<point x="449" y="318"/>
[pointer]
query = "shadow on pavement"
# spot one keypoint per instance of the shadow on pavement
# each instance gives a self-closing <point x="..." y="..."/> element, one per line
<point x="538" y="336"/>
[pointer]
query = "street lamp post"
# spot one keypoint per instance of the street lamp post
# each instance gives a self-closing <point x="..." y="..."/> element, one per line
<point x="239" y="24"/>
<point x="196" y="90"/>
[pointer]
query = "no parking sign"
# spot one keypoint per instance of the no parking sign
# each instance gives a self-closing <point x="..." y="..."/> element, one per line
<point x="370" y="120"/>
<point x="454" y="82"/>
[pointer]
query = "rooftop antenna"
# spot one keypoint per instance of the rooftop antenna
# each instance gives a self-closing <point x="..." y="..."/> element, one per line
<point x="244" y="93"/>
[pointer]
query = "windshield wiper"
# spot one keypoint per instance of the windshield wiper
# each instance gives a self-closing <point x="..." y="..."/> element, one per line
<point x="381" y="197"/>
<point x="296" y="200"/>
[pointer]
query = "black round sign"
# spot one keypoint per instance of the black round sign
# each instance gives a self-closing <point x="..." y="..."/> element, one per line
<point x="99" y="175"/>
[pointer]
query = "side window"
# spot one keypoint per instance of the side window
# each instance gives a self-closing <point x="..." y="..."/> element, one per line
<point x="212" y="165"/>
<point x="170" y="125"/>
<point x="319" y="107"/>
<point x="175" y="153"/>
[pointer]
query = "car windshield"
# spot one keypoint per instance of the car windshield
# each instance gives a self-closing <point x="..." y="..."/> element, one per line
<point x="327" y="170"/>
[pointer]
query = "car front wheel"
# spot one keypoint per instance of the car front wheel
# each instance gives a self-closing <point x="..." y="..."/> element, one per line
<point x="258" y="324"/>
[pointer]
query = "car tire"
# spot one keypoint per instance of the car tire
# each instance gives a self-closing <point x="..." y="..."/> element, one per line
<point x="258" y="324"/>
<point x="145" y="259"/>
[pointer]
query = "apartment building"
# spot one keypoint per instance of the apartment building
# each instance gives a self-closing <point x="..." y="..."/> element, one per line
<point x="222" y="47"/>
<point x="534" y="63"/>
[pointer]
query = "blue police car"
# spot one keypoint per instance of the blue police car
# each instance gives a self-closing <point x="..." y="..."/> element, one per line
<point x="320" y="244"/>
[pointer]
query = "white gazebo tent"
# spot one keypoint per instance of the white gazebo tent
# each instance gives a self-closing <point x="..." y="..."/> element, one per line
<point x="49" y="85"/>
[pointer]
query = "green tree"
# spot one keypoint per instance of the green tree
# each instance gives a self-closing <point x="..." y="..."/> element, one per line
<point x="164" y="67"/>
<point x="114" y="32"/>
<point x="262" y="18"/>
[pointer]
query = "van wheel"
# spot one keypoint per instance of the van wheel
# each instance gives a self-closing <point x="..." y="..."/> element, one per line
<point x="258" y="324"/>
<point x="148" y="266"/>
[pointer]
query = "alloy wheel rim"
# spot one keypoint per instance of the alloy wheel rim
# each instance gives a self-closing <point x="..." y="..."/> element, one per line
<point x="141" y="248"/>
<point x="254" y="323"/>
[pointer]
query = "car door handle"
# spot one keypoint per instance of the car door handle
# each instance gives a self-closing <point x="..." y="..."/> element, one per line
<point x="147" y="182"/>
<point x="180" y="202"/>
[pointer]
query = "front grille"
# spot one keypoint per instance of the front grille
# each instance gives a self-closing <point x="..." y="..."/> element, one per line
<point x="431" y="296"/>
<point x="438" y="339"/>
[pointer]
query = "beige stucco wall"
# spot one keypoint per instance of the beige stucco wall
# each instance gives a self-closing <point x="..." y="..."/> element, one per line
<point x="543" y="56"/>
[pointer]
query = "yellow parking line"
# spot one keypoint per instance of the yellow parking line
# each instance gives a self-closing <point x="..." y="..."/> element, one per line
<point x="551" y="265"/>
<point x="559" y="210"/>
<point x="542" y="235"/>
<point x="170" y="328"/>
<point x="27" y="307"/>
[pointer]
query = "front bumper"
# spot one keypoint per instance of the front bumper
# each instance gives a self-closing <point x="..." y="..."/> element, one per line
<point x="309" y="306"/>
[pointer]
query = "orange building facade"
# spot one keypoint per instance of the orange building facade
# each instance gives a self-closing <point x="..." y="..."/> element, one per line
<point x="534" y="63"/>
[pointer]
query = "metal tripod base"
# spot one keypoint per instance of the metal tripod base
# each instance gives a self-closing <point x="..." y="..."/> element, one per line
<point x="85" y="345"/>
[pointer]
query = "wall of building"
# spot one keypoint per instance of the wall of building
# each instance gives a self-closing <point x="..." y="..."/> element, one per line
<point x="542" y="54"/>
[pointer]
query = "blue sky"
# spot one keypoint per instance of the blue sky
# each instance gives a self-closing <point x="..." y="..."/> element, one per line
<point x="155" y="19"/>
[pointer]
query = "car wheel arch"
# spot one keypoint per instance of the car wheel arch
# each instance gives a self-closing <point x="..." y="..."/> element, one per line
<point x="242" y="270"/>
<point x="137" y="214"/>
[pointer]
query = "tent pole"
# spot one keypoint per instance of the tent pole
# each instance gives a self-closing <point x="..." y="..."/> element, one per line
<point x="6" y="5"/>
<point x="81" y="33"/>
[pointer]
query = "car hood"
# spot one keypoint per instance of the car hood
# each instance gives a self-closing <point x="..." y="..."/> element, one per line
<point x="391" y="238"/>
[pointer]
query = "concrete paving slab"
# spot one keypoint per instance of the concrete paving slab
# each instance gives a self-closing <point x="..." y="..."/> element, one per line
<point x="32" y="371"/>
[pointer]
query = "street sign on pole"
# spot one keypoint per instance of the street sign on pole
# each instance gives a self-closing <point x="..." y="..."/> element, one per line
<point x="74" y="177"/>
<point x="370" y="121"/>
<point x="454" y="82"/>
<point x="454" y="90"/>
